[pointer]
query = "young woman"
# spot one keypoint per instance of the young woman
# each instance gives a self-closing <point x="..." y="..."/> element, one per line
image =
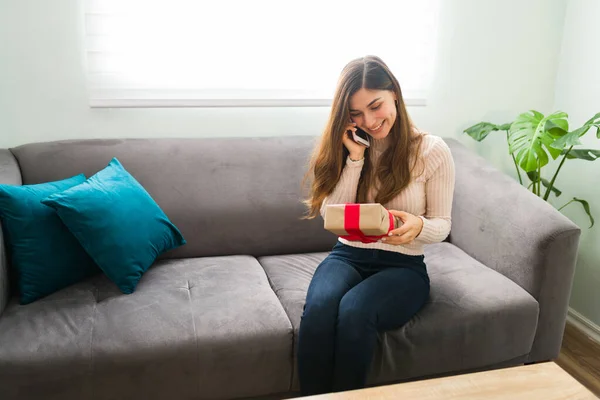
<point x="361" y="289"/>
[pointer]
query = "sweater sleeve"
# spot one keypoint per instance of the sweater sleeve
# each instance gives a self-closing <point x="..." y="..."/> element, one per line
<point x="347" y="186"/>
<point x="439" y="192"/>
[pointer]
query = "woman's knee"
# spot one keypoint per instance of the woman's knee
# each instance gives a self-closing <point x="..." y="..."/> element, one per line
<point x="322" y="306"/>
<point x="354" y="312"/>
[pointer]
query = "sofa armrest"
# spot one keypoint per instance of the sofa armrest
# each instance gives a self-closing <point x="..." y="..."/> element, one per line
<point x="507" y="228"/>
<point x="9" y="174"/>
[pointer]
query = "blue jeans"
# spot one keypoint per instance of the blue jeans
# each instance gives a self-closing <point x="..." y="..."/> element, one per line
<point x="354" y="294"/>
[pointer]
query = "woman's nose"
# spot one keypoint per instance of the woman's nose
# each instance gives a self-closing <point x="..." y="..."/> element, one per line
<point x="369" y="121"/>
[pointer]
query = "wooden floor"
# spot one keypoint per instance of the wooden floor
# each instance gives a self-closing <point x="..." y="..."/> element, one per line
<point x="580" y="357"/>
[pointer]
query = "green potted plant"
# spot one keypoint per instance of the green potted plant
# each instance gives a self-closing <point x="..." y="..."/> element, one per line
<point x="533" y="138"/>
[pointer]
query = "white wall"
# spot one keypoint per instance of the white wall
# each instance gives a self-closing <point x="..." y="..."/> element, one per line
<point x="496" y="58"/>
<point x="578" y="94"/>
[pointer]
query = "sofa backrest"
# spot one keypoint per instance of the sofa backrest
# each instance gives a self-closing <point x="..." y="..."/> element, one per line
<point x="226" y="195"/>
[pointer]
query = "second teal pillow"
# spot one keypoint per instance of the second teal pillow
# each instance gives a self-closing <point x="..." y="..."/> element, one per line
<point x="118" y="223"/>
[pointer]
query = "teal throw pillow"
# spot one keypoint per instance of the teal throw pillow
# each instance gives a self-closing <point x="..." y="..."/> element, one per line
<point x="117" y="223"/>
<point x="44" y="255"/>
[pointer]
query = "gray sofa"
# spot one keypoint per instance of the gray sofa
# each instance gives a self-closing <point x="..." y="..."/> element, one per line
<point x="218" y="317"/>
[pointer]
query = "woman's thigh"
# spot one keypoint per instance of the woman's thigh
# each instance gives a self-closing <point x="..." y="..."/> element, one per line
<point x="333" y="278"/>
<point x="389" y="298"/>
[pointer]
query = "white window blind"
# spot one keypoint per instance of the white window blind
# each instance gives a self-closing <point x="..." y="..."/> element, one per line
<point x="158" y="53"/>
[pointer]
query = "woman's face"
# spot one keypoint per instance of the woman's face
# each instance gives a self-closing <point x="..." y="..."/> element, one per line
<point x="374" y="111"/>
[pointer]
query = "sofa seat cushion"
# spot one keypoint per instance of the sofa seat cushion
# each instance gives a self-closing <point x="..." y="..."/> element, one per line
<point x="194" y="329"/>
<point x="475" y="316"/>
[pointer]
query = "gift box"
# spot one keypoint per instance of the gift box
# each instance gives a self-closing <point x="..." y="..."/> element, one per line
<point x="360" y="222"/>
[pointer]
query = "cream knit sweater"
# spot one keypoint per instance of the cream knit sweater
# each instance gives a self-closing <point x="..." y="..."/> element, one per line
<point x="428" y="195"/>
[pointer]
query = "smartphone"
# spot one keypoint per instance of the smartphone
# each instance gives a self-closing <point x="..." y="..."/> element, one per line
<point x="361" y="137"/>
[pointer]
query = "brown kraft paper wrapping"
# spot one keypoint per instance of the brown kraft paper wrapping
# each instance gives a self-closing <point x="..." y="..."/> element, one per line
<point x="374" y="219"/>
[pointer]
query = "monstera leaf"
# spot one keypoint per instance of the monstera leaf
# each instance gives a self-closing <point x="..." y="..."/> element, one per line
<point x="586" y="208"/>
<point x="481" y="130"/>
<point x="572" y="138"/>
<point x="583" y="154"/>
<point x="532" y="134"/>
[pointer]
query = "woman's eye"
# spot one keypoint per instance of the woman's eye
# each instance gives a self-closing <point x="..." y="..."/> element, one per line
<point x="376" y="107"/>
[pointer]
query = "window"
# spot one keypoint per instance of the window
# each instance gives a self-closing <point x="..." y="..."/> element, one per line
<point x="158" y="53"/>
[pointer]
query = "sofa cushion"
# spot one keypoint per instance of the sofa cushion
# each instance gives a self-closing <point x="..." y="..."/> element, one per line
<point x="118" y="223"/>
<point x="474" y="317"/>
<point x="193" y="329"/>
<point x="45" y="256"/>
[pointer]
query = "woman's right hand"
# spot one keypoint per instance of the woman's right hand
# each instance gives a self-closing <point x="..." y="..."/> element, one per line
<point x="356" y="150"/>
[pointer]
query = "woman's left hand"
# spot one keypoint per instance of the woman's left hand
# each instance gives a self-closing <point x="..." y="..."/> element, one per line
<point x="410" y="229"/>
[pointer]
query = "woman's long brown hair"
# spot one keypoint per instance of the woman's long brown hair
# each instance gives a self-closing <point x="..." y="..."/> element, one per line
<point x="327" y="162"/>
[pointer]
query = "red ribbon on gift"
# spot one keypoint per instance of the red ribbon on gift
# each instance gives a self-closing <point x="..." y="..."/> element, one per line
<point x="352" y="224"/>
